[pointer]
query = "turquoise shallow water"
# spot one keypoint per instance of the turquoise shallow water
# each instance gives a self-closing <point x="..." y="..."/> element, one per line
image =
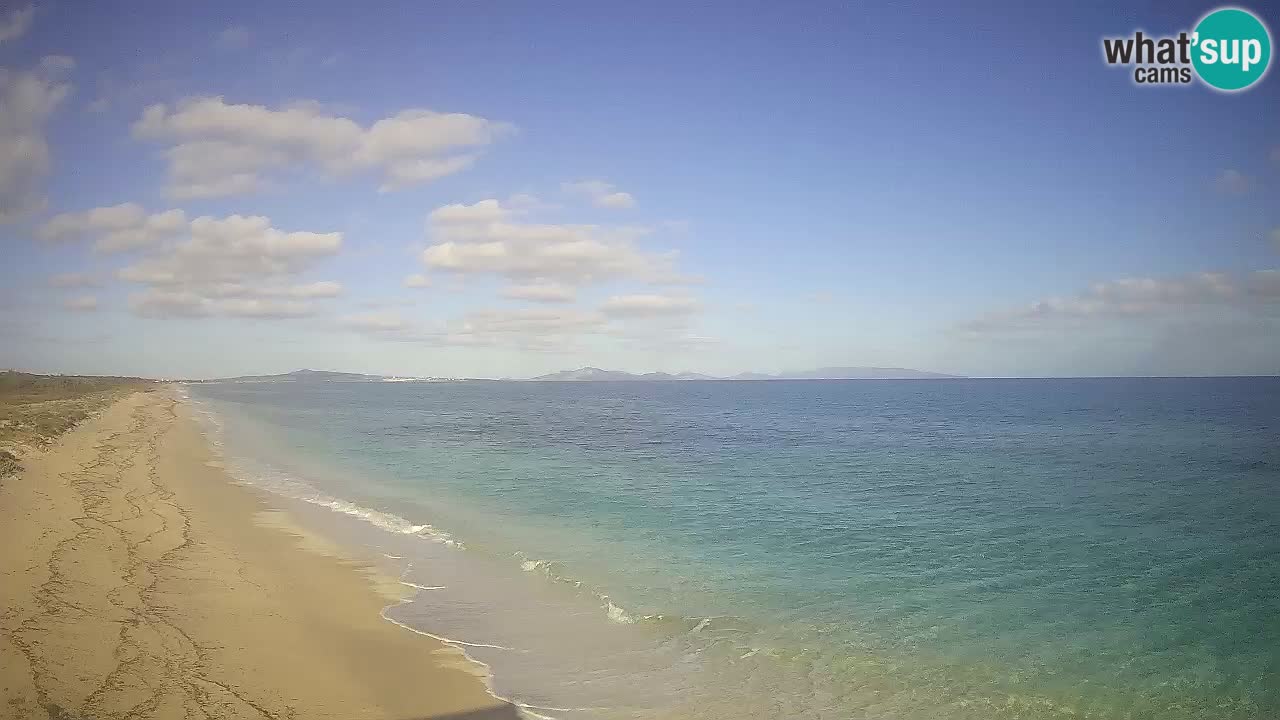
<point x="883" y="549"/>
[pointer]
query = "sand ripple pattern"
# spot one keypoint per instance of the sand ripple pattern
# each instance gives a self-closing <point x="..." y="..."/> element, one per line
<point x="120" y="602"/>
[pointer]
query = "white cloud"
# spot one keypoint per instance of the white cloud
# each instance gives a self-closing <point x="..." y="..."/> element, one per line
<point x="404" y="173"/>
<point x="374" y="322"/>
<point x="649" y="306"/>
<point x="541" y="329"/>
<point x="27" y="99"/>
<point x="222" y="149"/>
<point x="538" y="329"/>
<point x="1263" y="285"/>
<point x="116" y="228"/>
<point x="534" y="321"/>
<point x="654" y="321"/>
<point x="260" y="308"/>
<point x="169" y="303"/>
<point x="1232" y="181"/>
<point x="166" y="303"/>
<point x="238" y="266"/>
<point x="483" y="239"/>
<point x="72" y="280"/>
<point x="234" y="37"/>
<point x="601" y="193"/>
<point x="546" y="329"/>
<point x="665" y="338"/>
<point x="386" y="303"/>
<point x="1140" y="298"/>
<point x="233" y="249"/>
<point x="17" y="23"/>
<point x="417" y="280"/>
<point x="542" y="292"/>
<point x="485" y="211"/>
<point x="616" y="200"/>
<point x="322" y="289"/>
<point x="534" y="329"/>
<point x="306" y="291"/>
<point x="215" y="168"/>
<point x="81" y="303"/>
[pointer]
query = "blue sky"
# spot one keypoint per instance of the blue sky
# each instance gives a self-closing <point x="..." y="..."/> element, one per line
<point x="660" y="186"/>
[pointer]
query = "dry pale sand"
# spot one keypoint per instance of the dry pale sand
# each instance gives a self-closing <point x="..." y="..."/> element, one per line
<point x="137" y="581"/>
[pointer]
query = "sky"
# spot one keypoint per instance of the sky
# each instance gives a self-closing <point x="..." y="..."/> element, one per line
<point x="468" y="189"/>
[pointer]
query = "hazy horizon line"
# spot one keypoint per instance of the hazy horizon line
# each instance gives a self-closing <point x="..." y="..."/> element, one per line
<point x="709" y="378"/>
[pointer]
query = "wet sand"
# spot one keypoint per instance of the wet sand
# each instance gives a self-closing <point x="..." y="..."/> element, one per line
<point x="136" y="580"/>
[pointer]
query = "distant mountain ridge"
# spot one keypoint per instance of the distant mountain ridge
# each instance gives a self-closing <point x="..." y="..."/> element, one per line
<point x="589" y="374"/>
<point x="594" y="374"/>
<point x="322" y="376"/>
<point x="303" y="376"/>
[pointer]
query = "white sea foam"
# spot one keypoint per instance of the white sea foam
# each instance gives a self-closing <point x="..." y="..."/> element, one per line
<point x="525" y="710"/>
<point x="386" y="521"/>
<point x="486" y="672"/>
<point x="422" y="587"/>
<point x="614" y="612"/>
<point x="460" y="645"/>
<point x="464" y="643"/>
<point x="617" y="614"/>
<point x="546" y="567"/>
<point x="298" y="490"/>
<point x="291" y="487"/>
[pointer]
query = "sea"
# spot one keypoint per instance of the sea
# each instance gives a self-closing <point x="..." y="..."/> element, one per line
<point x="954" y="548"/>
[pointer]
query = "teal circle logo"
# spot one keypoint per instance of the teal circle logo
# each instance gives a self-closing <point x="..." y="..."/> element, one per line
<point x="1231" y="49"/>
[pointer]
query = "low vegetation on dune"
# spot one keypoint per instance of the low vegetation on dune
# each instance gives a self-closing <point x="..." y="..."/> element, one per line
<point x="35" y="409"/>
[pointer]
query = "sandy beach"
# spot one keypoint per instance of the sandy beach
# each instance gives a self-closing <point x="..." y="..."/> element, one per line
<point x="137" y="580"/>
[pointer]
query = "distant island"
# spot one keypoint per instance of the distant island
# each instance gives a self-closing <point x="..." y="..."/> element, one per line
<point x="594" y="374"/>
<point x="303" y="375"/>
<point x="322" y="376"/>
<point x="591" y="374"/>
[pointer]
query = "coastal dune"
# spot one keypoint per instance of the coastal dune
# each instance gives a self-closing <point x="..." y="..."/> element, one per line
<point x="136" y="580"/>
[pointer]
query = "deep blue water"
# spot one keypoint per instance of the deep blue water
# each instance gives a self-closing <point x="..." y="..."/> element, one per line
<point x="1103" y="548"/>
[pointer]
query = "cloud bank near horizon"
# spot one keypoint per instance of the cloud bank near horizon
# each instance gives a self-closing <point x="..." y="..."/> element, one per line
<point x="336" y="223"/>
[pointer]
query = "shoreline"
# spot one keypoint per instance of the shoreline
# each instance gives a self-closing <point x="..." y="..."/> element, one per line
<point x="140" y="580"/>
